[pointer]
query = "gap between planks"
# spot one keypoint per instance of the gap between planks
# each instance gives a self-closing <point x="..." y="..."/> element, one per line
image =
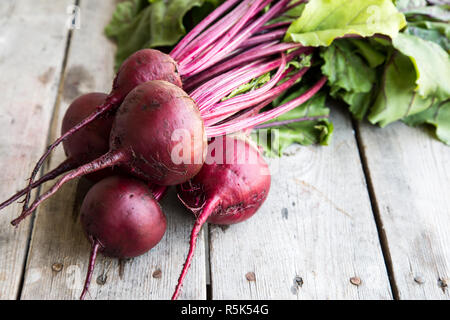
<point x="53" y="127"/>
<point x="376" y="212"/>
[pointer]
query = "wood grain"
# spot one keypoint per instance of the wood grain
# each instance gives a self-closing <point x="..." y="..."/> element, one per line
<point x="32" y="46"/>
<point x="409" y="172"/>
<point x="58" y="242"/>
<point x="315" y="232"/>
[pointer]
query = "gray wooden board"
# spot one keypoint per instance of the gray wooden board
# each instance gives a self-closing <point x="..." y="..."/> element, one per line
<point x="315" y="232"/>
<point x="410" y="174"/>
<point x="32" y="45"/>
<point x="57" y="236"/>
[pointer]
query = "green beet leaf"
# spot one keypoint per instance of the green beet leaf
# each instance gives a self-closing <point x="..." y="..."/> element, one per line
<point x="398" y="98"/>
<point x="323" y="21"/>
<point x="304" y="133"/>
<point x="437" y="116"/>
<point x="431" y="62"/>
<point x="351" y="78"/>
<point x="437" y="32"/>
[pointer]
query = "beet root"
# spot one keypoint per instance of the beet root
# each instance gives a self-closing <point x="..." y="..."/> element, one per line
<point x="158" y="136"/>
<point x="64" y="167"/>
<point x="230" y="188"/>
<point x="122" y="219"/>
<point x="84" y="146"/>
<point x="142" y="66"/>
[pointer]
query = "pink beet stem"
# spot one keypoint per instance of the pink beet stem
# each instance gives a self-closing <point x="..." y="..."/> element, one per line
<point x="233" y="39"/>
<point x="92" y="258"/>
<point x="226" y="108"/>
<point x="261" y="51"/>
<point x="287" y="122"/>
<point x="67" y="165"/>
<point x="208" y="209"/>
<point x="274" y="35"/>
<point x="213" y="33"/>
<point x="276" y="25"/>
<point x="225" y="65"/>
<point x="225" y="115"/>
<point x="213" y="95"/>
<point x="158" y="192"/>
<point x="110" y="102"/>
<point x="224" y="47"/>
<point x="110" y="159"/>
<point x="220" y="108"/>
<point x="239" y="125"/>
<point x="227" y="86"/>
<point x="201" y="26"/>
<point x="208" y="58"/>
<point x="205" y="89"/>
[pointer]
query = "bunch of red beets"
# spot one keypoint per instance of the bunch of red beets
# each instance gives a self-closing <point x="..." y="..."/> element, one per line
<point x="168" y="122"/>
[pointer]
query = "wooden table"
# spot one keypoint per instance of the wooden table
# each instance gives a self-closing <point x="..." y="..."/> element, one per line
<point x="365" y="218"/>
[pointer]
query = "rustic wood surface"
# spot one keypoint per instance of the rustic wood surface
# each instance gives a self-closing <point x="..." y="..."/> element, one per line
<point x="365" y="218"/>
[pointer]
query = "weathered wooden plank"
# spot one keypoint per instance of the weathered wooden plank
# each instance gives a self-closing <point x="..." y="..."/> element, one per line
<point x="410" y="175"/>
<point x="315" y="232"/>
<point x="32" y="46"/>
<point x="58" y="240"/>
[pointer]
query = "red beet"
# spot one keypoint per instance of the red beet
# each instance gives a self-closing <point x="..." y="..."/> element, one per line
<point x="143" y="66"/>
<point x="85" y="145"/>
<point x="230" y="188"/>
<point x="144" y="139"/>
<point x="122" y="219"/>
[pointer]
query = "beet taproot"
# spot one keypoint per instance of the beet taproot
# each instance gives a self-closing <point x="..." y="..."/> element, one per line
<point x="232" y="185"/>
<point x="82" y="147"/>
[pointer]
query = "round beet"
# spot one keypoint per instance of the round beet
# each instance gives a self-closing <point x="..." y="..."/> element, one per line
<point x="122" y="219"/>
<point x="158" y="122"/>
<point x="143" y="66"/>
<point x="230" y="188"/>
<point x="122" y="215"/>
<point x="158" y="136"/>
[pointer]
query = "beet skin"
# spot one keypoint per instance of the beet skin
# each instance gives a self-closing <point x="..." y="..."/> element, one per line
<point x="122" y="215"/>
<point x="121" y="219"/>
<point x="147" y="124"/>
